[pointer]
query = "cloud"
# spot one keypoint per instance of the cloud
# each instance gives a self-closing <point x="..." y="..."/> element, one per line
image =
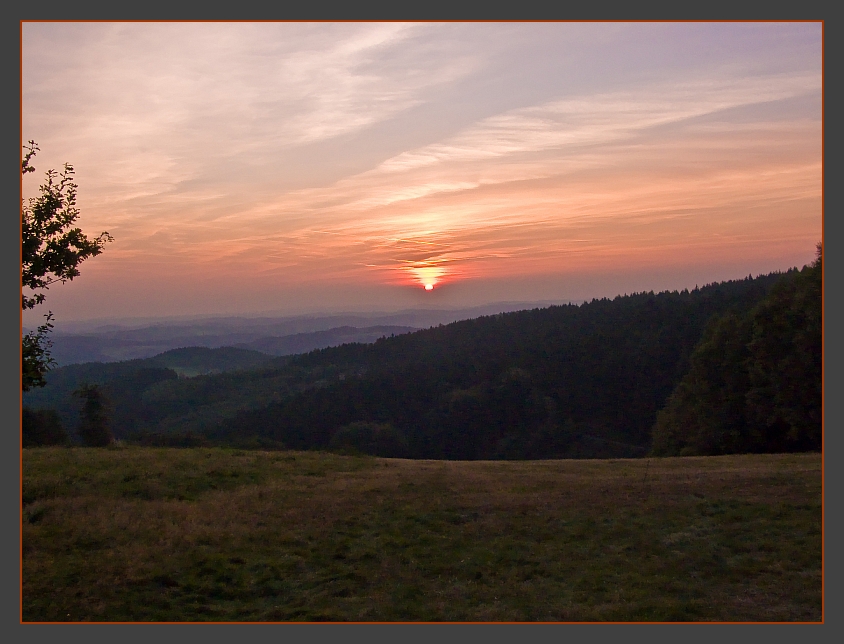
<point x="550" y="140"/>
<point x="172" y="107"/>
<point x="288" y="153"/>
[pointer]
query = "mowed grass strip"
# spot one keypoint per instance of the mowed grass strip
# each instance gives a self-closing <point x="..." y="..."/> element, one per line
<point x="146" y="534"/>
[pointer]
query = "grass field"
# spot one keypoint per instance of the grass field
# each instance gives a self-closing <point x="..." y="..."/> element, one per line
<point x="146" y="534"/>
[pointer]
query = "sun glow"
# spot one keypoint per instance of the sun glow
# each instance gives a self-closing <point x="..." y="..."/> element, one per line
<point x="427" y="276"/>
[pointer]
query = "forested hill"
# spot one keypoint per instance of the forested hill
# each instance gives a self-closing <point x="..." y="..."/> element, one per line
<point x="576" y="381"/>
<point x="573" y="381"/>
<point x="128" y="384"/>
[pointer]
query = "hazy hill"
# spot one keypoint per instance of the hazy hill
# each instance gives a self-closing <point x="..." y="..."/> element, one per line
<point x="77" y="342"/>
<point x="131" y="344"/>
<point x="304" y="342"/>
<point x="196" y="361"/>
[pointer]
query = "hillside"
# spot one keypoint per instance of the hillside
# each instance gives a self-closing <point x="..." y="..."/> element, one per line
<point x="126" y="381"/>
<point x="563" y="381"/>
<point x="568" y="381"/>
<point x="305" y="342"/>
<point x="121" y="340"/>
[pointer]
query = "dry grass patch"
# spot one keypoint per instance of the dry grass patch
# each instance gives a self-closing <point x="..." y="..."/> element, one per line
<point x="144" y="534"/>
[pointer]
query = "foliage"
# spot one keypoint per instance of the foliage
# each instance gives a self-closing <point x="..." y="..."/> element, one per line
<point x="35" y="355"/>
<point x="51" y="250"/>
<point x="93" y="430"/>
<point x="786" y="362"/>
<point x="42" y="427"/>
<point x="754" y="384"/>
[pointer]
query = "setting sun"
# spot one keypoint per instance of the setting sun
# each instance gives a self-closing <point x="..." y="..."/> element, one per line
<point x="343" y="166"/>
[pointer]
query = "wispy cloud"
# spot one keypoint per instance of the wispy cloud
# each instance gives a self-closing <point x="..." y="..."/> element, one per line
<point x="282" y="154"/>
<point x="536" y="171"/>
<point x="603" y="118"/>
<point x="180" y="108"/>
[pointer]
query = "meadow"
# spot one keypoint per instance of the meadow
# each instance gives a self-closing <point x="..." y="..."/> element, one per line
<point x="161" y="534"/>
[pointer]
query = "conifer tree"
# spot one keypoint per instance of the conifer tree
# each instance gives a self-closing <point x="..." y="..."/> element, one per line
<point x="94" y="428"/>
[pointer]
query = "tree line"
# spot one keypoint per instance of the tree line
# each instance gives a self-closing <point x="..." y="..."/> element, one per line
<point x="609" y="378"/>
<point x="754" y="382"/>
<point x="576" y="381"/>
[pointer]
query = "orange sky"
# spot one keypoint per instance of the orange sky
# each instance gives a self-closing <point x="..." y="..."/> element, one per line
<point x="291" y="168"/>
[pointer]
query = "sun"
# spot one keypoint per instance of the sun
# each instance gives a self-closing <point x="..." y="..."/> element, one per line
<point x="426" y="275"/>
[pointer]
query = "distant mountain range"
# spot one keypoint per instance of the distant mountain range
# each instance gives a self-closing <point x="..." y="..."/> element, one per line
<point x="115" y="341"/>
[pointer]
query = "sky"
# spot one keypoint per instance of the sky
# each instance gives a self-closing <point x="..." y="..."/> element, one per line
<point x="294" y="168"/>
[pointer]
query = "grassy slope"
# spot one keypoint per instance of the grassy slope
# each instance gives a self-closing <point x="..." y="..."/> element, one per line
<point x="155" y="534"/>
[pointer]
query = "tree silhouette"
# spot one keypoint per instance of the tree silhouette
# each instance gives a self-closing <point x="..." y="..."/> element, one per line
<point x="94" y="429"/>
<point x="755" y="381"/>
<point x="51" y="250"/>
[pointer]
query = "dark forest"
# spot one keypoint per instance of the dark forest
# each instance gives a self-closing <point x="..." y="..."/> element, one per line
<point x="731" y="367"/>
